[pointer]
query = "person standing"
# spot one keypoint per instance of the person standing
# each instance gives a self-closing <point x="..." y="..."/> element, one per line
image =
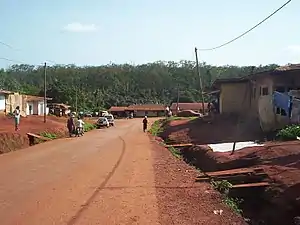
<point x="71" y="125"/>
<point x="17" y="115"/>
<point x="145" y="124"/>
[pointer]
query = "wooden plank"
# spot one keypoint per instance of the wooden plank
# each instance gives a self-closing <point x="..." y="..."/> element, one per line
<point x="249" y="185"/>
<point x="38" y="136"/>
<point x="233" y="177"/>
<point x="233" y="172"/>
<point x="179" y="145"/>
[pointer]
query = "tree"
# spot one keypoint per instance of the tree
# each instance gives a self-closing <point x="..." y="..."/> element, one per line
<point x="107" y="85"/>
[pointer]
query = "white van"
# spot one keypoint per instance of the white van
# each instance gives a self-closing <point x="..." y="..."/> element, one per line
<point x="110" y="119"/>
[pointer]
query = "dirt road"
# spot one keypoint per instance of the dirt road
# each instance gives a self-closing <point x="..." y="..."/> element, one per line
<point x="106" y="177"/>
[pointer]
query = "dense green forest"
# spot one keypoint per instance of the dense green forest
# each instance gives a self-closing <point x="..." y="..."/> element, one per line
<point x="103" y="86"/>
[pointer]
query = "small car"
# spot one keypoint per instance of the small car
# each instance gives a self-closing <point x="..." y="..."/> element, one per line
<point x="102" y="122"/>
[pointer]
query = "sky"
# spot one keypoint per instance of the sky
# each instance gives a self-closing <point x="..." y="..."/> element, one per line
<point x="97" y="32"/>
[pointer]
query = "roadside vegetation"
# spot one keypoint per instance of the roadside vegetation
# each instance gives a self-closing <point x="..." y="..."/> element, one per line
<point x="224" y="187"/>
<point x="175" y="152"/>
<point x="89" y="126"/>
<point x="49" y="135"/>
<point x="289" y="133"/>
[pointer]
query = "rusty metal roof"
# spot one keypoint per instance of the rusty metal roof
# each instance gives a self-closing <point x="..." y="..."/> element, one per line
<point x="6" y="92"/>
<point x="188" y="106"/>
<point x="147" y="107"/>
<point x="288" y="67"/>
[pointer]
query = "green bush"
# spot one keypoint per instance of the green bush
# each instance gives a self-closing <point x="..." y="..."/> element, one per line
<point x="156" y="127"/>
<point x="289" y="133"/>
<point x="175" y="152"/>
<point x="234" y="204"/>
<point x="222" y="186"/>
<point x="88" y="127"/>
<point x="48" y="135"/>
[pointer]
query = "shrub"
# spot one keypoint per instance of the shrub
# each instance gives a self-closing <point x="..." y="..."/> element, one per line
<point x="289" y="133"/>
<point x="156" y="127"/>
<point x="222" y="186"/>
<point x="175" y="152"/>
<point x="48" y="135"/>
<point x="88" y="127"/>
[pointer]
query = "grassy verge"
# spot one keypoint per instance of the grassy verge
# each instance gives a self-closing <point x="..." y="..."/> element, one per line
<point x="89" y="126"/>
<point x="175" y="152"/>
<point x="49" y="135"/>
<point x="156" y="127"/>
<point x="224" y="187"/>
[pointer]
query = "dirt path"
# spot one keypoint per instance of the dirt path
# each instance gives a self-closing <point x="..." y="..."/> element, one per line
<point x="108" y="176"/>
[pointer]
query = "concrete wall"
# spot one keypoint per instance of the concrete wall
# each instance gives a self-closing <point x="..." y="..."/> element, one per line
<point x="2" y="102"/>
<point x="37" y="108"/>
<point x="267" y="117"/>
<point x="29" y="108"/>
<point x="14" y="100"/>
<point x="256" y="92"/>
<point x="235" y="97"/>
<point x="149" y="113"/>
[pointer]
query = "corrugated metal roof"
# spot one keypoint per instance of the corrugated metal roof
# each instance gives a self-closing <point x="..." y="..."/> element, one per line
<point x="188" y="106"/>
<point x="147" y="107"/>
<point x="289" y="67"/>
<point x="6" y="92"/>
<point x="35" y="98"/>
<point x="117" y="108"/>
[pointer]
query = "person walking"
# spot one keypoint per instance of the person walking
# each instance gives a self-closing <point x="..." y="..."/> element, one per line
<point x="145" y="124"/>
<point x="17" y="115"/>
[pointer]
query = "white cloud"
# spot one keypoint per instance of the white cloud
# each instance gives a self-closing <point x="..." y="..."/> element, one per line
<point x="79" y="27"/>
<point x="294" y="48"/>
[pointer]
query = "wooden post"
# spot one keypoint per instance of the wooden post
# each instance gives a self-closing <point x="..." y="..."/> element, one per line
<point x="200" y="80"/>
<point x="45" y="93"/>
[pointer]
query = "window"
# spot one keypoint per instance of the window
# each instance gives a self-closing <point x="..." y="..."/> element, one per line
<point x="264" y="91"/>
<point x="281" y="112"/>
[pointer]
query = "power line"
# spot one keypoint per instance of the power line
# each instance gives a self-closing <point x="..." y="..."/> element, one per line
<point x="11" y="60"/>
<point x="16" y="61"/>
<point x="246" y="32"/>
<point x="20" y="62"/>
<point x="8" y="45"/>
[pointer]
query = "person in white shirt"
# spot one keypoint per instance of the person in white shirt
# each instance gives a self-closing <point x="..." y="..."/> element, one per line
<point x="17" y="115"/>
<point x="80" y="125"/>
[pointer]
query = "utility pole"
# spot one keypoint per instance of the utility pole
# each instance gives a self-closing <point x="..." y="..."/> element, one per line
<point x="76" y="101"/>
<point x="45" y="92"/>
<point x="200" y="80"/>
<point x="177" y="99"/>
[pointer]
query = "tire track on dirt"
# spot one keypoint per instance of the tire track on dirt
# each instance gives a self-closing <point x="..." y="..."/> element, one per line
<point x="84" y="206"/>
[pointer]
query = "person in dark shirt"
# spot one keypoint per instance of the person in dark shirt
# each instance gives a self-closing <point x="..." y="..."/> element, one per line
<point x="145" y="124"/>
<point x="71" y="125"/>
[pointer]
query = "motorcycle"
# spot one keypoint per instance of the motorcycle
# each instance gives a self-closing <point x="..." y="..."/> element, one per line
<point x="79" y="131"/>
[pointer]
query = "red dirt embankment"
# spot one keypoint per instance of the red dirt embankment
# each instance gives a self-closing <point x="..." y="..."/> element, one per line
<point x="280" y="161"/>
<point x="11" y="140"/>
<point x="188" y="202"/>
<point x="206" y="131"/>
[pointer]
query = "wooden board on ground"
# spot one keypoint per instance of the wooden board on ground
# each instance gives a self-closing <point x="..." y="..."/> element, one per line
<point x="38" y="136"/>
<point x="251" y="185"/>
<point x="179" y="145"/>
<point x="233" y="177"/>
<point x="232" y="172"/>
